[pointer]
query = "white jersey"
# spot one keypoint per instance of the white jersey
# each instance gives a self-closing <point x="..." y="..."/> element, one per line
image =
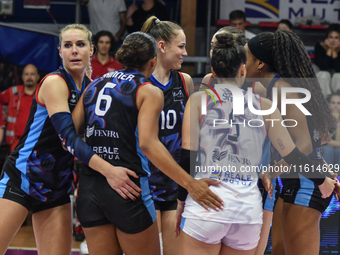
<point x="230" y="152"/>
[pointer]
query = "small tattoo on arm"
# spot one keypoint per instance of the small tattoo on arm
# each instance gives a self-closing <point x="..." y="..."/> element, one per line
<point x="282" y="147"/>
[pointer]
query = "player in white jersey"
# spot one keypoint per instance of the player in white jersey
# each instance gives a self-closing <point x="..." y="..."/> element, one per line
<point x="229" y="146"/>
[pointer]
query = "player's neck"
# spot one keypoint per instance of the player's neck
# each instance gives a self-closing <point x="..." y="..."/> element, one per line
<point x="161" y="74"/>
<point x="267" y="79"/>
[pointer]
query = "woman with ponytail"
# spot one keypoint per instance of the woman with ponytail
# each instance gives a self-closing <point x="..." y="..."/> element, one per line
<point x="279" y="61"/>
<point x="176" y="87"/>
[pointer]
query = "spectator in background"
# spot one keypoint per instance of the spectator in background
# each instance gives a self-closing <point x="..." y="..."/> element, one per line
<point x="2" y="125"/>
<point x="328" y="60"/>
<point x="237" y="19"/>
<point x="137" y="15"/>
<point x="107" y="15"/>
<point x="19" y="100"/>
<point x="103" y="62"/>
<point x="331" y="150"/>
<point x="285" y="24"/>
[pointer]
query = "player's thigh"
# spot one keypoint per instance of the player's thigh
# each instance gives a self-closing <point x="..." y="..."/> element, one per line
<point x="277" y="234"/>
<point x="170" y="241"/>
<point x="103" y="240"/>
<point x="53" y="230"/>
<point x="300" y="225"/>
<point x="190" y="245"/>
<point x="12" y="215"/>
<point x="265" y="229"/>
<point x="145" y="242"/>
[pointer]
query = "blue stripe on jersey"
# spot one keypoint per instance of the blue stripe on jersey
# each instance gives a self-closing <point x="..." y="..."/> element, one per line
<point x="160" y="85"/>
<point x="146" y="197"/>
<point x="32" y="138"/>
<point x="269" y="203"/>
<point x="182" y="223"/>
<point x="305" y="192"/>
<point x="143" y="158"/>
<point x="3" y="184"/>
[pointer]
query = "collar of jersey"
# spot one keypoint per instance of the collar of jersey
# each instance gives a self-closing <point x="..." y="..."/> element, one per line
<point x="74" y="84"/>
<point x="160" y="85"/>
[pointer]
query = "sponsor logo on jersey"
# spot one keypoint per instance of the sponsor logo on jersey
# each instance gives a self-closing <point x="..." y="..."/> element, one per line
<point x="90" y="131"/>
<point x="73" y="97"/>
<point x="289" y="192"/>
<point x="177" y="94"/>
<point x="262" y="8"/>
<point x="219" y="155"/>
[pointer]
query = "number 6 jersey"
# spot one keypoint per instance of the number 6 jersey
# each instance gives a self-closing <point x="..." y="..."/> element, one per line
<point x="111" y="117"/>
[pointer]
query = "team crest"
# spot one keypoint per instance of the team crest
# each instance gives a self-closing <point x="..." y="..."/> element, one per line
<point x="177" y="94"/>
<point x="262" y="9"/>
<point x="73" y="97"/>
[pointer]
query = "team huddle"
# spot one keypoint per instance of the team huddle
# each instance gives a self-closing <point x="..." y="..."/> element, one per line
<point x="148" y="136"/>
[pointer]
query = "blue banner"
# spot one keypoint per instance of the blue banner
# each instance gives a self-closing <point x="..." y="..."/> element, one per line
<point x="23" y="46"/>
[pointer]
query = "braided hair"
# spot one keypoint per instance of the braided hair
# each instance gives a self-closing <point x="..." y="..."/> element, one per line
<point x="295" y="67"/>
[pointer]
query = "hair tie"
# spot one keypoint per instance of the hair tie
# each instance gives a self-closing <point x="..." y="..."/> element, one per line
<point x="157" y="21"/>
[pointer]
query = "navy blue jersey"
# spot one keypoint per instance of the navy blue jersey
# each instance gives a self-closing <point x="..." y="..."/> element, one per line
<point x="170" y="134"/>
<point x="111" y="116"/>
<point x="39" y="163"/>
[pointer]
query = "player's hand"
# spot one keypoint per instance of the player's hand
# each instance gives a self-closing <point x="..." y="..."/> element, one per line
<point x="267" y="184"/>
<point x="200" y="192"/>
<point x="180" y="210"/>
<point x="327" y="187"/>
<point x="119" y="180"/>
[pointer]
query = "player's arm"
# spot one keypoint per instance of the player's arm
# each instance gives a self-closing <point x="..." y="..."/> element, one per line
<point x="292" y="156"/>
<point x="78" y="116"/>
<point x="150" y="103"/>
<point x="53" y="93"/>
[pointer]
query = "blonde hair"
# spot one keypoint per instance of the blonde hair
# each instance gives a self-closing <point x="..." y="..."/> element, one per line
<point x="75" y="26"/>
<point x="161" y="30"/>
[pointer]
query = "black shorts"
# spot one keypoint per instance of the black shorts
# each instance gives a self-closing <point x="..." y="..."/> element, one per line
<point x="98" y="204"/>
<point x="8" y="190"/>
<point x="166" y="205"/>
<point x="301" y="191"/>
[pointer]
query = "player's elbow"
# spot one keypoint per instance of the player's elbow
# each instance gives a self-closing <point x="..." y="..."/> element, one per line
<point x="145" y="147"/>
